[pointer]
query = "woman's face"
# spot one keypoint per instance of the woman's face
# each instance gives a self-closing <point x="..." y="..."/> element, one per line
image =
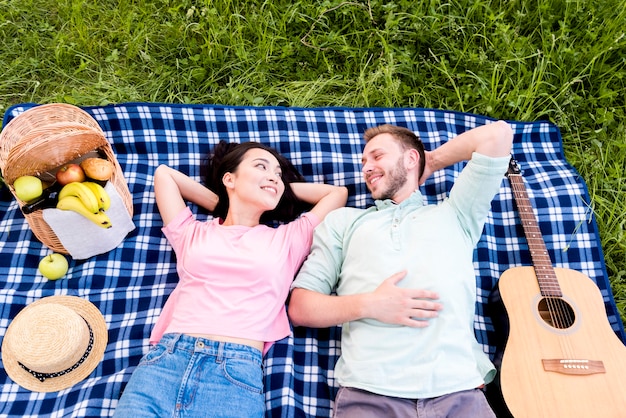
<point x="257" y="180"/>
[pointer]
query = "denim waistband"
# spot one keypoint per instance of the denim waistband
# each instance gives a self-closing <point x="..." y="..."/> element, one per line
<point x="218" y="349"/>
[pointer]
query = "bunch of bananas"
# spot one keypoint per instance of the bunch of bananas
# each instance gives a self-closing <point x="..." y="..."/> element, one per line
<point x="87" y="198"/>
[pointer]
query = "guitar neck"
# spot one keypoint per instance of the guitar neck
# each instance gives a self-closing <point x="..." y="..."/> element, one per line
<point x="548" y="282"/>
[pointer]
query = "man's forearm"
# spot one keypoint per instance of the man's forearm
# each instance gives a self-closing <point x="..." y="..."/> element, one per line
<point x="493" y="140"/>
<point x="388" y="303"/>
<point x="313" y="309"/>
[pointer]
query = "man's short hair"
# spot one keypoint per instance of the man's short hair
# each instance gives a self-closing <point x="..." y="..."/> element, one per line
<point x="407" y="138"/>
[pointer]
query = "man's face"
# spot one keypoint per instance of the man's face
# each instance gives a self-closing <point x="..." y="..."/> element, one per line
<point x="383" y="168"/>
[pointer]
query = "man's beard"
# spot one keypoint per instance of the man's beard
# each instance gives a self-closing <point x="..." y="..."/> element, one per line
<point x="396" y="179"/>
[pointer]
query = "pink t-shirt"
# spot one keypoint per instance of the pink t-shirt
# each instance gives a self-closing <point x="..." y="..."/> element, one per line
<point x="233" y="280"/>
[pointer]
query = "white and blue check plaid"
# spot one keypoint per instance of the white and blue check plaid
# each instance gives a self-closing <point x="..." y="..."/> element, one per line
<point x="131" y="283"/>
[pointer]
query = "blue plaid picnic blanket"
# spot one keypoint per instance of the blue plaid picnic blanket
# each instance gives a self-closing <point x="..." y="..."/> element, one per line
<point x="131" y="283"/>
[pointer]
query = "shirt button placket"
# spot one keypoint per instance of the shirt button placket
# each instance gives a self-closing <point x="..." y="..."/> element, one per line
<point x="395" y="225"/>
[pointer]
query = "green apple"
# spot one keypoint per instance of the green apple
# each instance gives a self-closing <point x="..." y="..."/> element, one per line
<point x="28" y="188"/>
<point x="53" y="266"/>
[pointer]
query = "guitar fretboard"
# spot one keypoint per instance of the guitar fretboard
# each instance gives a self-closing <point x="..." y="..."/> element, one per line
<point x="548" y="282"/>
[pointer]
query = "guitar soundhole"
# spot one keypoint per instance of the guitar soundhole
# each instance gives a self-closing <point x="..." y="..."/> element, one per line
<point x="556" y="312"/>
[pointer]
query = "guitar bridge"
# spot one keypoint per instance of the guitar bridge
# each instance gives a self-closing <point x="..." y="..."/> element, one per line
<point x="573" y="366"/>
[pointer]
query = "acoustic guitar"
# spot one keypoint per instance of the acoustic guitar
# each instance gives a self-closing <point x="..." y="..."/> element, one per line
<point x="561" y="358"/>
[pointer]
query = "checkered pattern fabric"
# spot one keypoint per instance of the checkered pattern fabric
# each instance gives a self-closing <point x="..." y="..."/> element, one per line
<point x="131" y="283"/>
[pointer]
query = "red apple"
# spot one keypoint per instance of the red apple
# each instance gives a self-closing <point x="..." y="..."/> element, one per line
<point x="70" y="173"/>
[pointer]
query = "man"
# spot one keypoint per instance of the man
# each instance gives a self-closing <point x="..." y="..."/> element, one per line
<point x="408" y="345"/>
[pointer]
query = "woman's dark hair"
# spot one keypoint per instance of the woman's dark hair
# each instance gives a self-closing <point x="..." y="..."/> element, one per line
<point x="226" y="157"/>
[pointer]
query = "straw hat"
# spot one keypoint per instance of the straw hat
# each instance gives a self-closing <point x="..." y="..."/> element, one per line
<point x="54" y="343"/>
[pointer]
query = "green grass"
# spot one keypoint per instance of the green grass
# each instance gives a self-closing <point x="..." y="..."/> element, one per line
<point x="562" y="60"/>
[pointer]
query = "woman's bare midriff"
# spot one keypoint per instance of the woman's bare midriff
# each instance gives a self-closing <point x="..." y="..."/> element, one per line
<point x="222" y="338"/>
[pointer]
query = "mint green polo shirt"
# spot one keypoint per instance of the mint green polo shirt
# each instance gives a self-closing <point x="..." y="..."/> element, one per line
<point x="354" y="250"/>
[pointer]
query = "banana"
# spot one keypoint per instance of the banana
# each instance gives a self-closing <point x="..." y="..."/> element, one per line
<point x="84" y="193"/>
<point x="75" y="204"/>
<point x="104" y="201"/>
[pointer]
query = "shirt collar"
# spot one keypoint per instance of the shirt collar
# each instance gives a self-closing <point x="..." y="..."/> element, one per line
<point x="415" y="199"/>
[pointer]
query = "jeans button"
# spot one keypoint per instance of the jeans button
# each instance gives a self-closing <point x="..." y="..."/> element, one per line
<point x="200" y="344"/>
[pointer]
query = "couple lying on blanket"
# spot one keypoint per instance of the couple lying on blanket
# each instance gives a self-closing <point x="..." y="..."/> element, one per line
<point x="383" y="272"/>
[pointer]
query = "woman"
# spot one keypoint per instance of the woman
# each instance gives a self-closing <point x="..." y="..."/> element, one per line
<point x="234" y="277"/>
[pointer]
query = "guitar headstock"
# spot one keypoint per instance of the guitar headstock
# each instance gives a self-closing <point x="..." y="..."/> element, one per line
<point x="513" y="168"/>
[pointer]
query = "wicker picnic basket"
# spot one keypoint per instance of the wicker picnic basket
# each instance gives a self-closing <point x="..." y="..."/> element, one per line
<point x="43" y="138"/>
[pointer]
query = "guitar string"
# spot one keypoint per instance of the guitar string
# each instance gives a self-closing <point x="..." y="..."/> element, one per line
<point x="555" y="315"/>
<point x="559" y="316"/>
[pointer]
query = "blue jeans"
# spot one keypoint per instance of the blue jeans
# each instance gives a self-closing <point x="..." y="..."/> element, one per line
<point x="185" y="376"/>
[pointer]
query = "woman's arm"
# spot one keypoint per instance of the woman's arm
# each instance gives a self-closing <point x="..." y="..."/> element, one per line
<point x="324" y="197"/>
<point x="172" y="188"/>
